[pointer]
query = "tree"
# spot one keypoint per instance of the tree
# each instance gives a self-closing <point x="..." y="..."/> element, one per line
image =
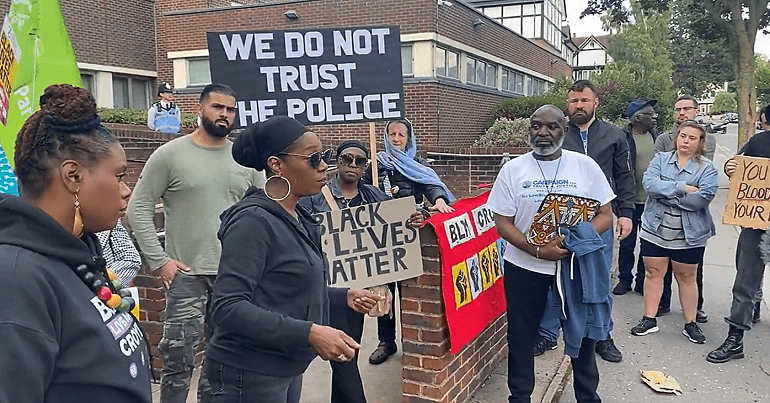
<point x="762" y="80"/>
<point x="740" y="21"/>
<point x="697" y="50"/>
<point x="641" y="66"/>
<point x="724" y="102"/>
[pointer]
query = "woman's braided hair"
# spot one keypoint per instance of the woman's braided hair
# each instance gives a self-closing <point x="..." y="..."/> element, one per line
<point x="65" y="127"/>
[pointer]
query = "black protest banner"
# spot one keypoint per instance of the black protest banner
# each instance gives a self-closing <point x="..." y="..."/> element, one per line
<point x="371" y="244"/>
<point x="317" y="76"/>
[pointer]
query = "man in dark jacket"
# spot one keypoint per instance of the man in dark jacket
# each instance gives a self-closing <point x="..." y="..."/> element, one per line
<point x="750" y="267"/>
<point x="641" y="135"/>
<point x="607" y="145"/>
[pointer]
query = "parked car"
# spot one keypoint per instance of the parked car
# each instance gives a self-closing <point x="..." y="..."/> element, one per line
<point x="731" y="117"/>
<point x="717" y="128"/>
<point x="700" y="118"/>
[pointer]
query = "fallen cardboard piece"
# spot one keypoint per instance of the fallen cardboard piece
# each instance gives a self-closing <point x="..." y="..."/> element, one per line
<point x="661" y="382"/>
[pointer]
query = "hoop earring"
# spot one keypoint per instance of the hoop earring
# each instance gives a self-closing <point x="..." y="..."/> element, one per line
<point x="287" y="192"/>
<point x="77" y="226"/>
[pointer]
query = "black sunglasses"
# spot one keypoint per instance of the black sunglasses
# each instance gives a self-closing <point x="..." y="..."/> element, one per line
<point x="347" y="160"/>
<point x="315" y="158"/>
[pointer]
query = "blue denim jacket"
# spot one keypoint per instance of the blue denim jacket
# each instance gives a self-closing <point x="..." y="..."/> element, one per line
<point x="665" y="184"/>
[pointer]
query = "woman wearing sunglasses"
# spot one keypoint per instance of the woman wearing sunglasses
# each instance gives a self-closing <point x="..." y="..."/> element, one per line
<point x="401" y="173"/>
<point x="271" y="303"/>
<point x="348" y="190"/>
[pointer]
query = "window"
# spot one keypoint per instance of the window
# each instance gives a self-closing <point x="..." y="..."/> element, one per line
<point x="504" y="80"/>
<point x="406" y="59"/>
<point x="480" y="72"/>
<point x="491" y="75"/>
<point x="440" y="62"/>
<point x="88" y="82"/>
<point x="120" y="92"/>
<point x="446" y="63"/>
<point x="198" y="71"/>
<point x="130" y="92"/>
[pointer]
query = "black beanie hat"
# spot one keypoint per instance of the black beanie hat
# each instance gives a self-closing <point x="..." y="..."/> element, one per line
<point x="262" y="140"/>
<point x="352" y="143"/>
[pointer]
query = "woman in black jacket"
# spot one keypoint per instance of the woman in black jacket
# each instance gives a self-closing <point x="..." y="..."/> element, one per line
<point x="348" y="190"/>
<point x="66" y="331"/>
<point x="401" y="173"/>
<point x="271" y="303"/>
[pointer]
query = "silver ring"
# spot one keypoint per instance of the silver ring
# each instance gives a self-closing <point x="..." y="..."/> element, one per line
<point x="342" y="357"/>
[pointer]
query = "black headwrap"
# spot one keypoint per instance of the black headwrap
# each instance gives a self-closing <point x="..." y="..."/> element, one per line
<point x="352" y="143"/>
<point x="263" y="140"/>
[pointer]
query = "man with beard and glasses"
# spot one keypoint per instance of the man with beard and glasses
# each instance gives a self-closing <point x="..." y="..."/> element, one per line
<point x="607" y="145"/>
<point x="531" y="270"/>
<point x="685" y="108"/>
<point x="197" y="179"/>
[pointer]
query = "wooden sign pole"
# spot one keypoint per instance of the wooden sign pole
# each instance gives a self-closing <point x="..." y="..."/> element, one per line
<point x="373" y="150"/>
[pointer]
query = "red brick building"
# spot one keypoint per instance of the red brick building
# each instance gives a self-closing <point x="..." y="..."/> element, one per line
<point x="114" y="43"/>
<point x="458" y="64"/>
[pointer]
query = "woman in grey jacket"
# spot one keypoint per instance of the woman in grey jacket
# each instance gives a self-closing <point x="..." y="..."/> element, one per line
<point x="676" y="224"/>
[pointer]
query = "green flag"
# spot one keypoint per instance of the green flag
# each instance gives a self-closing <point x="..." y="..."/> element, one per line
<point x="44" y="54"/>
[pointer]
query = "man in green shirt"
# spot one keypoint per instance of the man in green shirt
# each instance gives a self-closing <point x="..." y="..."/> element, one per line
<point x="197" y="179"/>
<point x="641" y="136"/>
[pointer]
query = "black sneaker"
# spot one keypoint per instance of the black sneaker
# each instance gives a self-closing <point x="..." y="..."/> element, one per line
<point x="732" y="348"/>
<point x="701" y="316"/>
<point x="639" y="286"/>
<point x="662" y="311"/>
<point x="645" y="327"/>
<point x="542" y="344"/>
<point x="693" y="332"/>
<point x="757" y="308"/>
<point x="621" y="289"/>
<point x="607" y="350"/>
<point x="382" y="352"/>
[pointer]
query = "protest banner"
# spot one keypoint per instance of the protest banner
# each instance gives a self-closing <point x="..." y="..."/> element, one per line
<point x="35" y="52"/>
<point x="317" y="76"/>
<point x="748" y="201"/>
<point x="471" y="268"/>
<point x="371" y="244"/>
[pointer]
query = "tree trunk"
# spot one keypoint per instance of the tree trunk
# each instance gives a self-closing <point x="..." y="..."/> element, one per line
<point x="747" y="92"/>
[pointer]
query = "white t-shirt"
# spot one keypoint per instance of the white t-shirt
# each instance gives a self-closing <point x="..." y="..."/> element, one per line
<point x="521" y="187"/>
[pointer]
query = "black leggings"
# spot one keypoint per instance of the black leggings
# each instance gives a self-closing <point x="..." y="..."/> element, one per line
<point x="526" y="293"/>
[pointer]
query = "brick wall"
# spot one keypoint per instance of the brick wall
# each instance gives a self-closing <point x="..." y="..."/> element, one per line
<point x="431" y="373"/>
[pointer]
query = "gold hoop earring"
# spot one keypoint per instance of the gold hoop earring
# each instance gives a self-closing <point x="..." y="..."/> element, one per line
<point x="287" y="192"/>
<point x="77" y="226"/>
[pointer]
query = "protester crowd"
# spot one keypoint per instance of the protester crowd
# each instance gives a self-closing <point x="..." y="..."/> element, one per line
<point x="244" y="269"/>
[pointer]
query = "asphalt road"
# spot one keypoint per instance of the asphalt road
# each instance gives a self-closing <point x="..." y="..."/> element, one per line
<point x="743" y="380"/>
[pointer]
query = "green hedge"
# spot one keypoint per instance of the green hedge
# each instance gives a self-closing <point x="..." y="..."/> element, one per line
<point x="139" y="117"/>
<point x="513" y="108"/>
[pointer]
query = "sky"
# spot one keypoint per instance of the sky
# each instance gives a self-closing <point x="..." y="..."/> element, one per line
<point x="593" y="26"/>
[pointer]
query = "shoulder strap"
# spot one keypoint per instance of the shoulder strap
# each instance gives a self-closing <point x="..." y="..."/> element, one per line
<point x="329" y="198"/>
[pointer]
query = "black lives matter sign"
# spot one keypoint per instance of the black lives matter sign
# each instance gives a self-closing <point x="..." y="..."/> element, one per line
<point x="317" y="76"/>
<point x="371" y="244"/>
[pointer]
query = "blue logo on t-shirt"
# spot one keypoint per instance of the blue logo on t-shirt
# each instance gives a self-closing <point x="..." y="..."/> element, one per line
<point x="526" y="184"/>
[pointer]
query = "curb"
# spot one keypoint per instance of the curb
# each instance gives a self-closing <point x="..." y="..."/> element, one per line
<point x="558" y="382"/>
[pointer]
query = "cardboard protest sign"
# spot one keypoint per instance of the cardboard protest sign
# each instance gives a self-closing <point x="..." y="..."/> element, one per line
<point x="471" y="268"/>
<point x="317" y="76"/>
<point x="748" y="201"/>
<point x="371" y="244"/>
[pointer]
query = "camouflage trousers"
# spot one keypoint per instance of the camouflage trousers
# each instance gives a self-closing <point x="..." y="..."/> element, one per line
<point x="188" y="305"/>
